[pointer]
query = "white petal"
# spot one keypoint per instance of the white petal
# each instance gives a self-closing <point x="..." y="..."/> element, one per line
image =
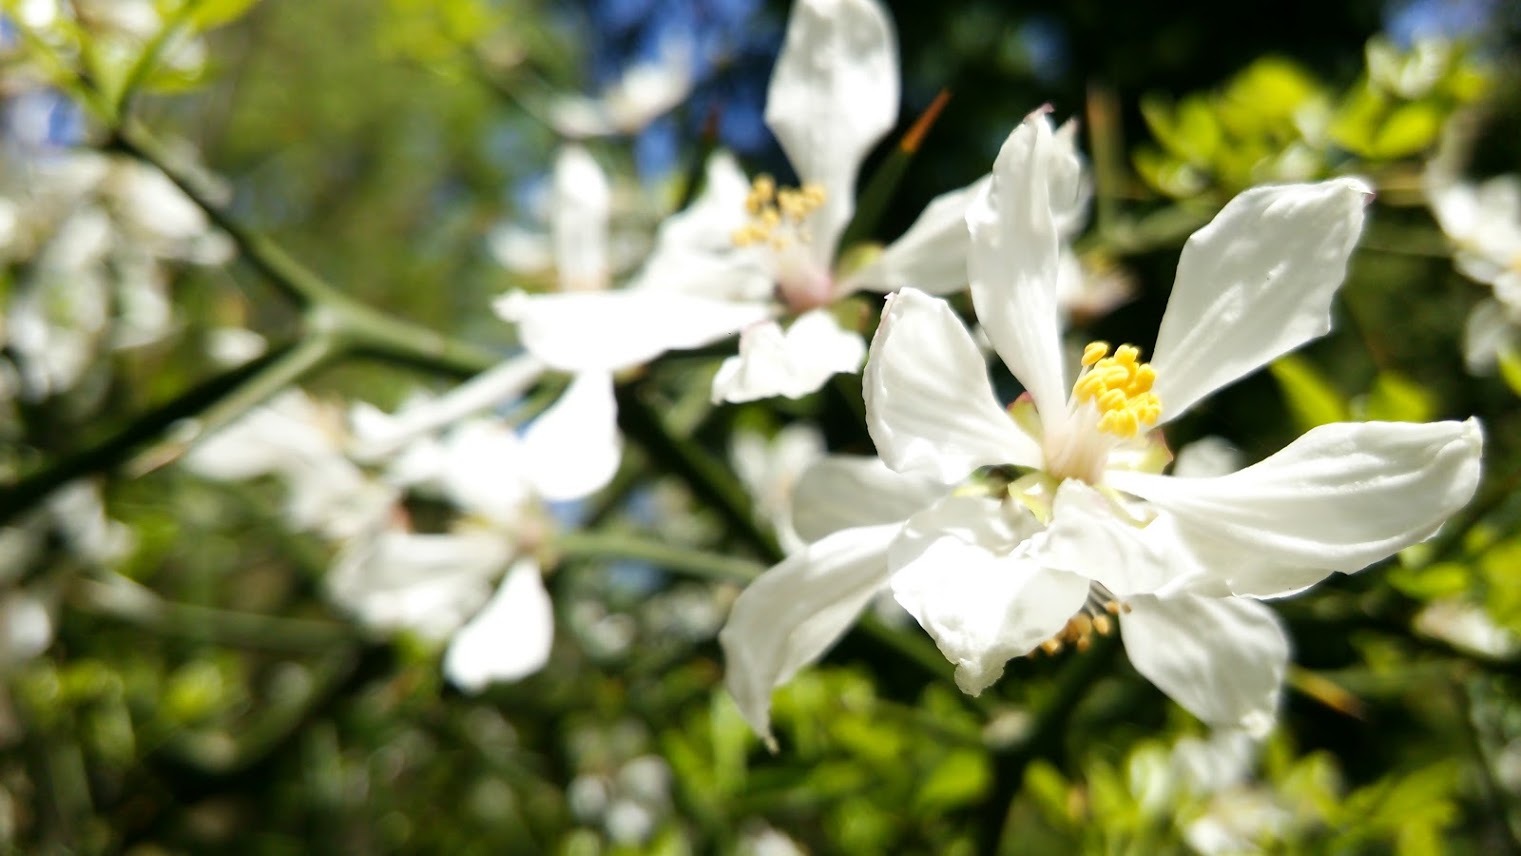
<point x="486" y="470"/>
<point x="26" y="628"/>
<point x="376" y="436"/>
<point x="1339" y="498"/>
<point x="968" y="574"/>
<point x="929" y="405"/>
<point x="1254" y="284"/>
<point x="428" y="584"/>
<point x="792" y="364"/>
<point x="1221" y="659"/>
<point x="510" y="638"/>
<point x="694" y="248"/>
<point x="841" y="492"/>
<point x="770" y="470"/>
<point x="619" y="329"/>
<point x="1087" y="536"/>
<point x="931" y="255"/>
<point x="833" y="94"/>
<point x="573" y="449"/>
<point x="1014" y="262"/>
<point x="795" y="611"/>
<point x="1488" y="333"/>
<point x="582" y="200"/>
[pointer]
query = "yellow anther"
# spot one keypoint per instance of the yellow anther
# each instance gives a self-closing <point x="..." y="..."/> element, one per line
<point x="762" y="191"/>
<point x="1102" y="625"/>
<point x="1052" y="646"/>
<point x="1119" y="387"/>
<point x="777" y="214"/>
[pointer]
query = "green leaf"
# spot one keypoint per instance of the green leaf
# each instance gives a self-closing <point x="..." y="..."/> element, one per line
<point x="210" y="14"/>
<point x="1510" y="369"/>
<point x="1396" y="398"/>
<point x="960" y="779"/>
<point x="1311" y="398"/>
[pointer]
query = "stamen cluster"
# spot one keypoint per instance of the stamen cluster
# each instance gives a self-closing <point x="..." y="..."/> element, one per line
<point x="1120" y="387"/>
<point x="1080" y="629"/>
<point x="777" y="214"/>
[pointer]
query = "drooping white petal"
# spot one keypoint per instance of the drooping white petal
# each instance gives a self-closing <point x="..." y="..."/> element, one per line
<point x="1071" y="189"/>
<point x="510" y="638"/>
<point x="1014" y="262"/>
<point x="792" y="364"/>
<point x="573" y="449"/>
<point x="969" y="573"/>
<point x="790" y="615"/>
<point x="929" y="405"/>
<point x="1254" y="284"/>
<point x="579" y="215"/>
<point x="618" y="329"/>
<point x="833" y="94"/>
<point x="845" y="491"/>
<point x="931" y="255"/>
<point x="1221" y="659"/>
<point x="1339" y="498"/>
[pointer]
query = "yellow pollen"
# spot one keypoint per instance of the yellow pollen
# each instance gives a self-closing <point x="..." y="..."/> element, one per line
<point x="777" y="214"/>
<point x="1120" y="387"/>
<point x="1082" y="627"/>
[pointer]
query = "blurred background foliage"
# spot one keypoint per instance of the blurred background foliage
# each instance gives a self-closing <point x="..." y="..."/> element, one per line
<point x="199" y="693"/>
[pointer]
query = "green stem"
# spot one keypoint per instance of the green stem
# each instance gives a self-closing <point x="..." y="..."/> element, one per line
<point x="695" y="563"/>
<point x="291" y="367"/>
<point x="130" y="602"/>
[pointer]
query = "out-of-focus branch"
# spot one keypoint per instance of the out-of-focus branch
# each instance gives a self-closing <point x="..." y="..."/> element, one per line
<point x="130" y="602"/>
<point x="110" y="452"/>
<point x="683" y="560"/>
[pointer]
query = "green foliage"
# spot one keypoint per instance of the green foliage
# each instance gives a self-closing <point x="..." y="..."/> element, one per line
<point x="1275" y="121"/>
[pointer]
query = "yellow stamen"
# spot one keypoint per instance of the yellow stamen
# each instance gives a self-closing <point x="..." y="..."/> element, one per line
<point x="1120" y="387"/>
<point x="777" y="215"/>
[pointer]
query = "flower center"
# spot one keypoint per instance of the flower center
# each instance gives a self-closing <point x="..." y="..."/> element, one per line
<point x="1120" y="387"/>
<point x="1111" y="404"/>
<point x="777" y="215"/>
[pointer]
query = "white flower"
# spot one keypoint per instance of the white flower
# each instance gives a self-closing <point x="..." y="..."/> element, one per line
<point x="1483" y="223"/>
<point x="644" y="92"/>
<point x="1076" y="531"/>
<point x="745" y="252"/>
<point x="770" y="469"/>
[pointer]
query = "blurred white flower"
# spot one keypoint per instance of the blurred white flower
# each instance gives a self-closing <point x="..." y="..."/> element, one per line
<point x="645" y="91"/>
<point x="1468" y="627"/>
<point x="1082" y="532"/>
<point x="770" y="470"/>
<point x="1483" y="223"/>
<point x="745" y="252"/>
